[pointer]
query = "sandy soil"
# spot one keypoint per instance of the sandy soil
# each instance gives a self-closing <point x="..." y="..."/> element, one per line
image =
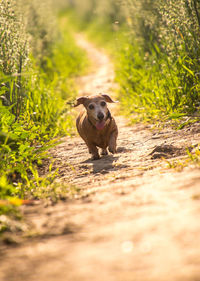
<point x="135" y="219"/>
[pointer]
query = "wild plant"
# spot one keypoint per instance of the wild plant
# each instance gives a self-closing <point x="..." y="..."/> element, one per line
<point x="166" y="33"/>
<point x="37" y="68"/>
<point x="14" y="52"/>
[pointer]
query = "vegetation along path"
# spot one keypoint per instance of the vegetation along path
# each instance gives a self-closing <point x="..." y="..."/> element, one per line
<point x="134" y="218"/>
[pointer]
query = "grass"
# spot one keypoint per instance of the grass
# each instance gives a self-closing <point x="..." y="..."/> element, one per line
<point x="34" y="113"/>
<point x="192" y="158"/>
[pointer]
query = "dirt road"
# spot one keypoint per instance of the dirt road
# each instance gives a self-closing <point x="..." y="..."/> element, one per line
<point x="135" y="219"/>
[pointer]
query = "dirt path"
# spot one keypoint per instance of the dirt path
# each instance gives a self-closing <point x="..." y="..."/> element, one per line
<point x="135" y="219"/>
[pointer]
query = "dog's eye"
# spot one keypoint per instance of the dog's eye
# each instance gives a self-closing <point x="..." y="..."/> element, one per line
<point x="91" y="106"/>
<point x="103" y="103"/>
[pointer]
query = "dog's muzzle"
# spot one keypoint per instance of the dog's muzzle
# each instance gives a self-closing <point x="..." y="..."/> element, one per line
<point x="100" y="116"/>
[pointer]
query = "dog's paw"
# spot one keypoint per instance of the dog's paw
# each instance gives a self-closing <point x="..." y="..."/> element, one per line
<point x="112" y="150"/>
<point x="95" y="157"/>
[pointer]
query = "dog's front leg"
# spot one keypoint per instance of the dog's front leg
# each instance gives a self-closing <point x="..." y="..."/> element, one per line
<point x="94" y="151"/>
<point x="113" y="143"/>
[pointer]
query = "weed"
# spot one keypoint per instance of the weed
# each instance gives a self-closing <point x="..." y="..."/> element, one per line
<point x="194" y="156"/>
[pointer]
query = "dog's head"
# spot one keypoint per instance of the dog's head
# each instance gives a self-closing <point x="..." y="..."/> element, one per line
<point x="97" y="109"/>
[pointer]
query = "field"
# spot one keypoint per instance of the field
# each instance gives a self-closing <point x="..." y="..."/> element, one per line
<point x="39" y="62"/>
<point x="63" y="215"/>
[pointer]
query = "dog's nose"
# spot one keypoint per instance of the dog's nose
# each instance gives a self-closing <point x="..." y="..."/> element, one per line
<point x="100" y="116"/>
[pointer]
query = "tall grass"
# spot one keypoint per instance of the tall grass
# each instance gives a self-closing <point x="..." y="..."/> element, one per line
<point x="167" y="78"/>
<point x="38" y="62"/>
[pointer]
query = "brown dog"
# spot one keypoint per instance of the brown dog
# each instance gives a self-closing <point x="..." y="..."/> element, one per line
<point x="96" y="126"/>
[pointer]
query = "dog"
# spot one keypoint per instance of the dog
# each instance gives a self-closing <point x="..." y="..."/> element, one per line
<point x="96" y="126"/>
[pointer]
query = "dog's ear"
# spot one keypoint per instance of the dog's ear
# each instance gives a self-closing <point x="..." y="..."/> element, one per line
<point x="80" y="100"/>
<point x="107" y="98"/>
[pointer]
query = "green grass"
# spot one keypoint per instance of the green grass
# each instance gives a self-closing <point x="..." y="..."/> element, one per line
<point x="192" y="158"/>
<point x="35" y="117"/>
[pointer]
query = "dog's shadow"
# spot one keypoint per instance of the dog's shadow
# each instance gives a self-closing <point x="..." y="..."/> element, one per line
<point x="103" y="165"/>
